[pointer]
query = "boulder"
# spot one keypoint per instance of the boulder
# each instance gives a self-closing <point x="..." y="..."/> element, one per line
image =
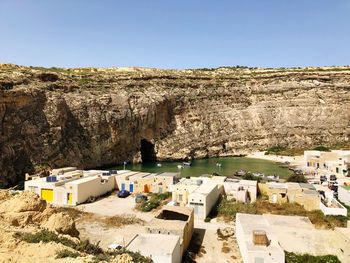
<point x="61" y="223"/>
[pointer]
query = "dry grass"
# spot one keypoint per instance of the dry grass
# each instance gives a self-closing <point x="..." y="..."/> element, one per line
<point x="121" y="220"/>
<point x="225" y="249"/>
<point x="72" y="212"/>
<point x="228" y="210"/>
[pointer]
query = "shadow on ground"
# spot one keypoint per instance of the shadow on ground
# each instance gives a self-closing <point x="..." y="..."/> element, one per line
<point x="195" y="248"/>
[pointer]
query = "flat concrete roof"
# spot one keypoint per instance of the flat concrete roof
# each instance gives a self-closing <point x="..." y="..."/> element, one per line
<point x="154" y="244"/>
<point x="251" y="223"/>
<point x="205" y="188"/>
<point x="307" y="186"/>
<point x="294" y="221"/>
<point x="127" y="174"/>
<point x="249" y="182"/>
<point x="186" y="181"/>
<point x="83" y="180"/>
<point x="138" y="175"/>
<point x="310" y="192"/>
<point x="277" y="185"/>
<point x="168" y="174"/>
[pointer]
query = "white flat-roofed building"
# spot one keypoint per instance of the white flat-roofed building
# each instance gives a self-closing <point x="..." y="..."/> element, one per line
<point x="73" y="187"/>
<point x="203" y="199"/>
<point x="271" y="252"/>
<point x="160" y="248"/>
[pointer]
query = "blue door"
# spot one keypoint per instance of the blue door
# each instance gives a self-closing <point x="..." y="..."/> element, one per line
<point x="131" y="188"/>
<point x="123" y="187"/>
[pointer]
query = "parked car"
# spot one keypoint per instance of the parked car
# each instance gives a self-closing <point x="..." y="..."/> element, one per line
<point x="333" y="177"/>
<point x="323" y="178"/>
<point x="123" y="193"/>
<point x="114" y="246"/>
<point x="140" y="198"/>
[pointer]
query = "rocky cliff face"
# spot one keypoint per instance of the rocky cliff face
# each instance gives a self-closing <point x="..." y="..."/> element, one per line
<point x="98" y="117"/>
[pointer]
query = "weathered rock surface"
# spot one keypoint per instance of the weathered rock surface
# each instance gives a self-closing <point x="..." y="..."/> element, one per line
<point x="99" y="117"/>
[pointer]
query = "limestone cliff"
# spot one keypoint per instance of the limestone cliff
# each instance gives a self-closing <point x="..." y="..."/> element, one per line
<point x="98" y="117"/>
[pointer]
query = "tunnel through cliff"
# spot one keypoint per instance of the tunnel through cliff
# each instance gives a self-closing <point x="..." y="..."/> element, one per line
<point x="148" y="153"/>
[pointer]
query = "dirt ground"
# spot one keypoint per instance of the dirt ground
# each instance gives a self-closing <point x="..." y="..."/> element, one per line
<point x="214" y="248"/>
<point x="95" y="231"/>
<point x="113" y="205"/>
<point x="208" y="246"/>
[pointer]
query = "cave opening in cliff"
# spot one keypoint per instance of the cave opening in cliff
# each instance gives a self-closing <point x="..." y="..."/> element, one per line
<point x="148" y="153"/>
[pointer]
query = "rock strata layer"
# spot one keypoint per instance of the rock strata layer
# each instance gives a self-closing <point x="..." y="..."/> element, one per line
<point x="91" y="117"/>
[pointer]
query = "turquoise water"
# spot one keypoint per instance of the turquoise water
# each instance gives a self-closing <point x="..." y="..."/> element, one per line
<point x="229" y="165"/>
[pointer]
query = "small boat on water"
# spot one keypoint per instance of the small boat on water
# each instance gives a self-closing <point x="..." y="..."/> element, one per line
<point x="240" y="173"/>
<point x="180" y="166"/>
<point x="159" y="165"/>
<point x="186" y="163"/>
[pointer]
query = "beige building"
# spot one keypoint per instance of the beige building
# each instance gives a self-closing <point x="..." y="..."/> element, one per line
<point x="164" y="182"/>
<point x="203" y="199"/>
<point x="72" y="187"/>
<point x="140" y="182"/>
<point x="174" y="220"/>
<point x="183" y="189"/>
<point x="300" y="193"/>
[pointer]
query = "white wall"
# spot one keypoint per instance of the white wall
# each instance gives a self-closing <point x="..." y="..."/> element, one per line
<point x="207" y="199"/>
<point x="94" y="187"/>
<point x="344" y="195"/>
<point x="211" y="200"/>
<point x="333" y="211"/>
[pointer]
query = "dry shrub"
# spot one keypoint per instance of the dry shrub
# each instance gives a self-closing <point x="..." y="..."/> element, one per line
<point x="121" y="220"/>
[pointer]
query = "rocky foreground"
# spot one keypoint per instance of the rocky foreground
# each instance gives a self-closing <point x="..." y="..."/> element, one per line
<point x="24" y="214"/>
<point x="99" y="117"/>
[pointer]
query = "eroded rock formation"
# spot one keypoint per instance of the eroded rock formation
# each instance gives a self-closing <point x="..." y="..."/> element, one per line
<point x="98" y="117"/>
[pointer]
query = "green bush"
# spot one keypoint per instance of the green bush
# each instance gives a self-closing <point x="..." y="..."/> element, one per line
<point x="297" y="178"/>
<point x="275" y="149"/>
<point x="154" y="201"/>
<point x="47" y="236"/>
<point x="322" y="148"/>
<point x="229" y="209"/>
<point x="249" y="176"/>
<point x="305" y="258"/>
<point x="82" y="246"/>
<point x="66" y="253"/>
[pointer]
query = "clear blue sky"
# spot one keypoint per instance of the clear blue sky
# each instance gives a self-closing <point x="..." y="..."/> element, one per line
<point x="175" y="34"/>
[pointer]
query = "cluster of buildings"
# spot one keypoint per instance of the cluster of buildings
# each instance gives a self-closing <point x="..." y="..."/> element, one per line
<point x="311" y="197"/>
<point x="335" y="162"/>
<point x="70" y="186"/>
<point x="168" y="235"/>
<point x="202" y="193"/>
<point x="265" y="238"/>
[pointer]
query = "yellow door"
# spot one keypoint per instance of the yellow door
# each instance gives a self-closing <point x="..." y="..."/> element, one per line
<point x="70" y="198"/>
<point x="47" y="195"/>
